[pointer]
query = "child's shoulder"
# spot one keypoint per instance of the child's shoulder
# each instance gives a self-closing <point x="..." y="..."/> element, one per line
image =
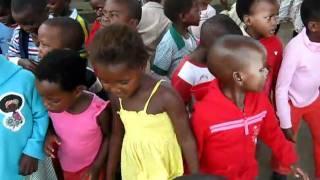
<point x="296" y="43"/>
<point x="272" y="42"/>
<point x="95" y="101"/>
<point x="167" y="38"/>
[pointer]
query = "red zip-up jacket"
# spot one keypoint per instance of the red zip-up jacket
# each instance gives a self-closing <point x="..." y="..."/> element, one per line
<point x="227" y="136"/>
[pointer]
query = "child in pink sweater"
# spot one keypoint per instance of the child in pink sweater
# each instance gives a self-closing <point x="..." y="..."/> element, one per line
<point x="297" y="89"/>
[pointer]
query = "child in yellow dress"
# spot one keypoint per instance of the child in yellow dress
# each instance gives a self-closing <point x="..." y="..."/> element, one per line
<point x="150" y="120"/>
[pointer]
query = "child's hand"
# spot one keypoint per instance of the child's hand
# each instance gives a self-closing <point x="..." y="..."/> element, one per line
<point x="299" y="173"/>
<point x="51" y="145"/>
<point x="27" y="64"/>
<point x="28" y="165"/>
<point x="288" y="133"/>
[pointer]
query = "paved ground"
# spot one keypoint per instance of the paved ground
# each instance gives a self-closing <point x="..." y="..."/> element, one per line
<point x="304" y="139"/>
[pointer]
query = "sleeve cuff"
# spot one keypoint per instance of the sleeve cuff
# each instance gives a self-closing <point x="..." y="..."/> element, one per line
<point x="34" y="149"/>
<point x="14" y="60"/>
<point x="285" y="125"/>
<point x="159" y="70"/>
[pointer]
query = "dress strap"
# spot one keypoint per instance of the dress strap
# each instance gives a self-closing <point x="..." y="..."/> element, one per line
<point x="156" y="87"/>
<point x="120" y="102"/>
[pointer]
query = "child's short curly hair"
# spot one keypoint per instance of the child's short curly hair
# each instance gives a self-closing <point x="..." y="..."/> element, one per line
<point x="64" y="67"/>
<point x="310" y="11"/>
<point x="244" y="7"/>
<point x="36" y="5"/>
<point x="118" y="44"/>
<point x="70" y="32"/>
<point x="172" y="8"/>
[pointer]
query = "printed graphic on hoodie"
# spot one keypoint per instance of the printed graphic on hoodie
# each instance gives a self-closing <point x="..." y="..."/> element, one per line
<point x="11" y="105"/>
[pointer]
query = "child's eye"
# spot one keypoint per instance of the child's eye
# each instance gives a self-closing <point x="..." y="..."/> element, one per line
<point x="268" y="18"/>
<point x="113" y="14"/>
<point x="125" y="82"/>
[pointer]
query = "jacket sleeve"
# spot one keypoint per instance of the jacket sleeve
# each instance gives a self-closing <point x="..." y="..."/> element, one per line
<point x="272" y="136"/>
<point x="34" y="146"/>
<point x="182" y="87"/>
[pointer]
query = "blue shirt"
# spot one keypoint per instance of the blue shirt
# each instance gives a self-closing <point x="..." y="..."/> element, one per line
<point x="5" y="37"/>
<point x="23" y="119"/>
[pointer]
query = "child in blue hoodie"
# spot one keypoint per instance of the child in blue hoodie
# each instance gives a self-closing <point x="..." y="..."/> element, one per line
<point x="23" y="122"/>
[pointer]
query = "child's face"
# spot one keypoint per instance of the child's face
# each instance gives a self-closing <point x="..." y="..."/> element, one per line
<point x="255" y="73"/>
<point x="314" y="31"/>
<point x="192" y="17"/>
<point x="97" y="6"/>
<point x="263" y="19"/>
<point x="49" y="39"/>
<point x="119" y="80"/>
<point x="56" y="7"/>
<point x="29" y="20"/>
<point x="5" y="15"/>
<point x="54" y="98"/>
<point x="114" y="12"/>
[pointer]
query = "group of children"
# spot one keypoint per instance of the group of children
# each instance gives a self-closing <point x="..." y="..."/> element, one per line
<point x="167" y="90"/>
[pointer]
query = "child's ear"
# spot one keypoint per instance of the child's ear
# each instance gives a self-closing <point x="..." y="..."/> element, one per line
<point x="133" y="23"/>
<point x="237" y="78"/>
<point x="314" y="26"/>
<point x="182" y="17"/>
<point x="79" y="90"/>
<point x="247" y="20"/>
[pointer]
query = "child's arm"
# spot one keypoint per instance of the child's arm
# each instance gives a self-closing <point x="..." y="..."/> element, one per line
<point x="282" y="149"/>
<point x="271" y="135"/>
<point x="104" y="121"/>
<point x="14" y="51"/>
<point x="34" y="146"/>
<point x="286" y="72"/>
<point x="179" y="117"/>
<point x="51" y="141"/>
<point x="115" y="146"/>
<point x="180" y="82"/>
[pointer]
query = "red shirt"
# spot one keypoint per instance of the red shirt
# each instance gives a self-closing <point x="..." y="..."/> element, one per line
<point x="274" y="49"/>
<point x="227" y="136"/>
<point x="95" y="27"/>
<point x="190" y="79"/>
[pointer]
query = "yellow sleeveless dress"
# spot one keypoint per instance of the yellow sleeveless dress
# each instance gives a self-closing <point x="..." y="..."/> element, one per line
<point x="150" y="150"/>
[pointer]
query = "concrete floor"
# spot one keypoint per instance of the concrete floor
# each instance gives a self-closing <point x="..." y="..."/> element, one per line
<point x="304" y="139"/>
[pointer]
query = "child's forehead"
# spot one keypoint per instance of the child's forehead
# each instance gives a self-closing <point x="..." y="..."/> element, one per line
<point x="97" y="2"/>
<point x="53" y="30"/>
<point x="114" y="5"/>
<point x="259" y="6"/>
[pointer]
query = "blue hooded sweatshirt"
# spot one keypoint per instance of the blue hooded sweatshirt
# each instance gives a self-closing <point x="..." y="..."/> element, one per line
<point x="23" y="119"/>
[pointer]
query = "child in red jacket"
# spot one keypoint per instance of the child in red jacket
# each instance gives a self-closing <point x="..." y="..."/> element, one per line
<point x="261" y="19"/>
<point x="234" y="113"/>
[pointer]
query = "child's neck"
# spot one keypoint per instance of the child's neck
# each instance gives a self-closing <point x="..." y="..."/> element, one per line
<point x="252" y="33"/>
<point x="66" y="12"/>
<point x="235" y="94"/>
<point x="181" y="28"/>
<point x="199" y="55"/>
<point x="81" y="103"/>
